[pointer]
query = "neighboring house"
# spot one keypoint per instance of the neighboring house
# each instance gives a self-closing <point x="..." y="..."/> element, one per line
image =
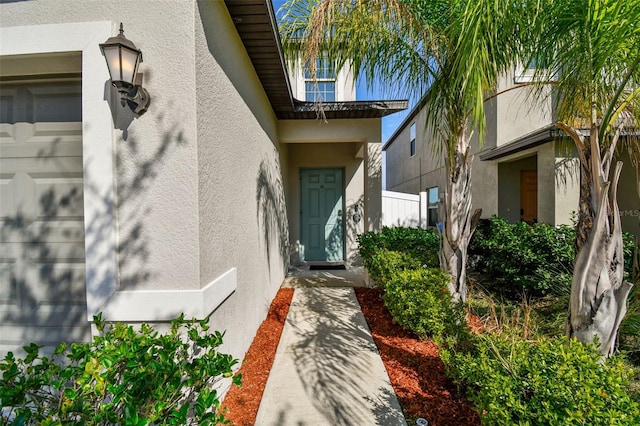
<point x="194" y="206"/>
<point x="525" y="170"/>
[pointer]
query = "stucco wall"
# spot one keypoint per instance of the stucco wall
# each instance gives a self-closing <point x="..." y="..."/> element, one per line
<point x="510" y="115"/>
<point x="509" y="186"/>
<point x="567" y="183"/>
<point x="242" y="218"/>
<point x="516" y="113"/>
<point x="197" y="177"/>
<point x="155" y="154"/>
<point x="629" y="195"/>
<point x="406" y="173"/>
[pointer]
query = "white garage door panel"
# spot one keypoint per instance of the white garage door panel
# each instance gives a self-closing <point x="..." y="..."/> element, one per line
<point x="42" y="270"/>
<point x="45" y="231"/>
<point x="40" y="140"/>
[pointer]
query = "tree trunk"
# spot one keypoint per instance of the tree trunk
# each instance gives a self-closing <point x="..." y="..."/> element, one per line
<point x="458" y="223"/>
<point x="598" y="290"/>
<point x="586" y="213"/>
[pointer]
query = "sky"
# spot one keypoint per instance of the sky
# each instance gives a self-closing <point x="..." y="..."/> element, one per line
<point x="389" y="123"/>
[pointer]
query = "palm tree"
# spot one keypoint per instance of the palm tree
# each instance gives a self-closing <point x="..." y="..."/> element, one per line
<point x="453" y="51"/>
<point x="591" y="49"/>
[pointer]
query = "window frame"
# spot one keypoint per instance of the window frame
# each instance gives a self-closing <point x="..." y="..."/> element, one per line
<point x="324" y="74"/>
<point x="526" y="73"/>
<point x="433" y="206"/>
<point x="412" y="140"/>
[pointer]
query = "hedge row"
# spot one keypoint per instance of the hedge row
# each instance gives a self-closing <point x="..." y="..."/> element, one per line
<point x="509" y="379"/>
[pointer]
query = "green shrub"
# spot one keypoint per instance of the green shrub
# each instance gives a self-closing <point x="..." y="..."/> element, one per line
<point x="125" y="376"/>
<point x="537" y="259"/>
<point x="631" y="248"/>
<point x="384" y="264"/>
<point x="422" y="244"/>
<point x="420" y="301"/>
<point x="553" y="381"/>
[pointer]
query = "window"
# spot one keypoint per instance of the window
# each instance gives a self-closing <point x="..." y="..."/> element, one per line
<point x="432" y="207"/>
<point x="325" y="89"/>
<point x="527" y="73"/>
<point x="412" y="140"/>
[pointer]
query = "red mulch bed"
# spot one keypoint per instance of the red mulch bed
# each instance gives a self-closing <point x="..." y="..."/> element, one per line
<point x="242" y="402"/>
<point x="416" y="372"/>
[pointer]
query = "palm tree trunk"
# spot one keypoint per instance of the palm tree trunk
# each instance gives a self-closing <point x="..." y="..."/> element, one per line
<point x="586" y="214"/>
<point x="458" y="223"/>
<point x="598" y="290"/>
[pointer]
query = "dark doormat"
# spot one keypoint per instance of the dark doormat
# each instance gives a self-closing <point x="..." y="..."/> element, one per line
<point x="327" y="267"/>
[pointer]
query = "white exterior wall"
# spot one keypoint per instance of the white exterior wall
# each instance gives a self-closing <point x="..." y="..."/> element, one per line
<point x="174" y="190"/>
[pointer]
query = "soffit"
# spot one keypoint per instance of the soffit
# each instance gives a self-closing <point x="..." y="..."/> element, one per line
<point x="255" y="22"/>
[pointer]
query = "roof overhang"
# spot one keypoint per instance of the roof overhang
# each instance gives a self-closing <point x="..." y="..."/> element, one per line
<point x="539" y="137"/>
<point x="530" y="140"/>
<point x="256" y="24"/>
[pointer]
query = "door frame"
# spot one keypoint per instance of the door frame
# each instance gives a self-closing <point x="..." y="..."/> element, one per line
<point x="343" y="194"/>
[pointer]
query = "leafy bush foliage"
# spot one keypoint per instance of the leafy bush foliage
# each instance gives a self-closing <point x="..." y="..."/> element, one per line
<point x="631" y="250"/>
<point x="420" y="301"/>
<point x="552" y="381"/>
<point x="125" y="376"/>
<point x="384" y="264"/>
<point x="537" y="258"/>
<point x="421" y="244"/>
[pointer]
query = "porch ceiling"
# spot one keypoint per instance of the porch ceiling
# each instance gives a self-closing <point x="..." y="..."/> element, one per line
<point x="256" y="24"/>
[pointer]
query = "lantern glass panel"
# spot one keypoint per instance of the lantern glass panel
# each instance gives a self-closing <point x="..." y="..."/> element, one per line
<point x="129" y="64"/>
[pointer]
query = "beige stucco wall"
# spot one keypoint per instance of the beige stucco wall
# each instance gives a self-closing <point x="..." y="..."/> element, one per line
<point x="629" y="195"/>
<point x="509" y="116"/>
<point x="194" y="174"/>
<point x="567" y="183"/>
<point x="241" y="215"/>
<point x="517" y="113"/>
<point x="412" y="174"/>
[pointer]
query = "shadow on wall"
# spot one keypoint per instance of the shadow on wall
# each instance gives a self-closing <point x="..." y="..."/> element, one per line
<point x="222" y="43"/>
<point x="374" y="172"/>
<point x="272" y="211"/>
<point x="132" y="248"/>
<point x="42" y="276"/>
<point x="567" y="172"/>
<point x="354" y="226"/>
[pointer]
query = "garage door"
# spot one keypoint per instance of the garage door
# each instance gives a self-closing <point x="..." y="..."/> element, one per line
<point x="42" y="271"/>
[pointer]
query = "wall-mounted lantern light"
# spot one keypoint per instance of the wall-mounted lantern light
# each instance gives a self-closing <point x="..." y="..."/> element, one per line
<point x="123" y="59"/>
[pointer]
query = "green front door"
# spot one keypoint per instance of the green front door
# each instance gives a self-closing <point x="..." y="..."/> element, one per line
<point x="321" y="214"/>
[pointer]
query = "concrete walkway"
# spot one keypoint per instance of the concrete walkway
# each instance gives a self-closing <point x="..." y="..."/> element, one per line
<point x="327" y="369"/>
